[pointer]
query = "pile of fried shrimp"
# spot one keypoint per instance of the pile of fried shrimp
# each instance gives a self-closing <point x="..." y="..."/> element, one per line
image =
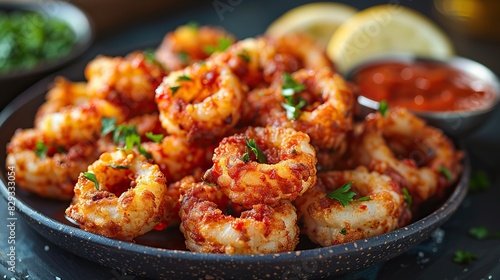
<point x="242" y="145"/>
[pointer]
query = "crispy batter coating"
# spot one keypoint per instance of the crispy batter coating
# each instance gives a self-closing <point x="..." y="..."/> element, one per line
<point x="189" y="44"/>
<point x="128" y="82"/>
<point x="178" y="157"/>
<point x="74" y="124"/>
<point x="51" y="173"/>
<point x="402" y="146"/>
<point x="327" y="222"/>
<point x="63" y="93"/>
<point x="289" y="171"/>
<point x="326" y="117"/>
<point x="261" y="230"/>
<point x="129" y="200"/>
<point x="203" y="101"/>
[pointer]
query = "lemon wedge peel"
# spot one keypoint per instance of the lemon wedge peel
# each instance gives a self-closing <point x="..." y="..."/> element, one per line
<point x="319" y="19"/>
<point x="386" y="28"/>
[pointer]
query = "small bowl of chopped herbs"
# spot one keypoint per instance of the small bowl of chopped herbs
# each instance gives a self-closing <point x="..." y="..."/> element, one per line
<point x="37" y="38"/>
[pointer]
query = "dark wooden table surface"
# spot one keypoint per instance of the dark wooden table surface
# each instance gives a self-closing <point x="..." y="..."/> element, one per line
<point x="37" y="258"/>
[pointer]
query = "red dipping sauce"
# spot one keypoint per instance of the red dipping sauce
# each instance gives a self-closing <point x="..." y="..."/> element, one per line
<point x="423" y="86"/>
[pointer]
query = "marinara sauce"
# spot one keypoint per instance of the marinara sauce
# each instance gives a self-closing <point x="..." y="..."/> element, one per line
<point x="423" y="86"/>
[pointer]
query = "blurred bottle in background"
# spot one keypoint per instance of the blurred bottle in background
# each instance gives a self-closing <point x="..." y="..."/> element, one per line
<point x="474" y="18"/>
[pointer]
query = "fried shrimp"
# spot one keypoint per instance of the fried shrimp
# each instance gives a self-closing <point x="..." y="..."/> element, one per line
<point x="261" y="230"/>
<point x="62" y="94"/>
<point x="129" y="82"/>
<point x="420" y="158"/>
<point x="203" y="101"/>
<point x="127" y="198"/>
<point x="177" y="157"/>
<point x="47" y="170"/>
<point x="304" y="48"/>
<point x="75" y="124"/>
<point x="282" y="166"/>
<point x="326" y="114"/>
<point x="259" y="61"/>
<point x="327" y="222"/>
<point x="189" y="44"/>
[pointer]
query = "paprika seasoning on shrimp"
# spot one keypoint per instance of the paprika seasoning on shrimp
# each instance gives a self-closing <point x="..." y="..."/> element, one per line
<point x="423" y="86"/>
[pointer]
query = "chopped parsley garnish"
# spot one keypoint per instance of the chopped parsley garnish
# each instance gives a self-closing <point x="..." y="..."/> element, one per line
<point x="221" y="46"/>
<point x="157" y="138"/>
<point x="343" y="231"/>
<point x="446" y="172"/>
<point x="184" y="57"/>
<point x="344" y="196"/>
<point x="463" y="257"/>
<point x="41" y="149"/>
<point x="118" y="166"/>
<point x="149" y="55"/>
<point x="408" y="198"/>
<point x="183" y="78"/>
<point x="91" y="176"/>
<point x="135" y="140"/>
<point x="174" y="89"/>
<point x="479" y="181"/>
<point x="123" y="134"/>
<point x="193" y="24"/>
<point x="383" y="108"/>
<point x="482" y="233"/>
<point x="107" y="125"/>
<point x="290" y="86"/>
<point x="293" y="110"/>
<point x="60" y="149"/>
<point x="252" y="145"/>
<point x="244" y="56"/>
<point x="479" y="232"/>
<point x="292" y="104"/>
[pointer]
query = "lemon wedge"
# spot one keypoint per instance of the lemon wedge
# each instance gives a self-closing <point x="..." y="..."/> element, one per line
<point x="386" y="28"/>
<point x="319" y="20"/>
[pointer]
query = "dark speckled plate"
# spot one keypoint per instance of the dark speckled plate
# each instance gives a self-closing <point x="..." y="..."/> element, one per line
<point x="162" y="254"/>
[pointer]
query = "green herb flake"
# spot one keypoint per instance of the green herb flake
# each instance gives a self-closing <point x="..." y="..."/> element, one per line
<point x="261" y="157"/>
<point x="91" y="176"/>
<point x="479" y="232"/>
<point x="246" y="157"/>
<point x="118" y="166"/>
<point x="464" y="257"/>
<point x="383" y="108"/>
<point x="290" y="86"/>
<point x="143" y="152"/>
<point x="149" y="56"/>
<point x="292" y="104"/>
<point x="293" y="111"/>
<point x="222" y="44"/>
<point x="479" y="181"/>
<point x="446" y="172"/>
<point x="157" y="138"/>
<point x="183" y="78"/>
<point x="193" y="24"/>
<point x="184" y="57"/>
<point x="107" y="125"/>
<point x="174" y="89"/>
<point x="343" y="231"/>
<point x="121" y="133"/>
<point x="41" y="150"/>
<point x="408" y="198"/>
<point x="244" y="56"/>
<point x="342" y="194"/>
<point x="364" y="198"/>
<point x="60" y="149"/>
<point x="132" y="140"/>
